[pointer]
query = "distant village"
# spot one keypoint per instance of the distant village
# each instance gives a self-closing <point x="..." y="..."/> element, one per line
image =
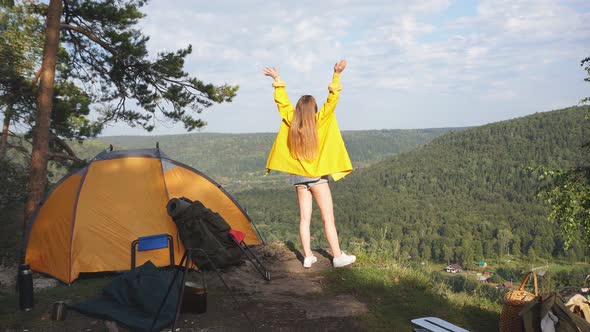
<point x="482" y="277"/>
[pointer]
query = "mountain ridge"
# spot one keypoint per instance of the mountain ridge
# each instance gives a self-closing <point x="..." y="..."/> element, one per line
<point x="464" y="195"/>
<point x="232" y="157"/>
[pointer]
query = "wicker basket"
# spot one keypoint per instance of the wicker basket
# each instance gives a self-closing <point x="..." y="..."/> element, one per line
<point x="514" y="301"/>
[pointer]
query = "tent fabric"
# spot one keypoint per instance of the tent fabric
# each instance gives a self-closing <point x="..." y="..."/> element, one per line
<point x="89" y="219"/>
<point x="52" y="232"/>
<point x="114" y="154"/>
<point x="134" y="298"/>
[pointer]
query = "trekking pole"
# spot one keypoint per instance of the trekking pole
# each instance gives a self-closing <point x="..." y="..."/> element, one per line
<point x="184" y="257"/>
<point x="238" y="238"/>
<point x="257" y="264"/>
<point x="226" y="286"/>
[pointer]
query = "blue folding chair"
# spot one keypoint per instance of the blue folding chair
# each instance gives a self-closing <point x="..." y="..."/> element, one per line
<point x="152" y="242"/>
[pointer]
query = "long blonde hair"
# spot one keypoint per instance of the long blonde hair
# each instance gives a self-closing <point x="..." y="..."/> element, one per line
<point x="303" y="134"/>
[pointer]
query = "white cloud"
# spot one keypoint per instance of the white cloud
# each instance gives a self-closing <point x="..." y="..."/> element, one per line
<point x="410" y="49"/>
<point x="429" y="5"/>
<point x="500" y="90"/>
<point x="404" y="32"/>
<point x="474" y="55"/>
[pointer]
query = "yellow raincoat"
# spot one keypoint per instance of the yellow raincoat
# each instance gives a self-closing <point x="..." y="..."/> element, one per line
<point x="332" y="155"/>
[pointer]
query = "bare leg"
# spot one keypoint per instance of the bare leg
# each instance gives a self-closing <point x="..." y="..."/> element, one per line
<point x="323" y="196"/>
<point x="305" y="209"/>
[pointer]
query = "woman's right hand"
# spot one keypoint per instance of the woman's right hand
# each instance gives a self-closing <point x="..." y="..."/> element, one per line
<point x="272" y="72"/>
<point x="339" y="67"/>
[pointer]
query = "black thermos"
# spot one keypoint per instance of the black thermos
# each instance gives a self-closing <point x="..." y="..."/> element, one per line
<point x="25" y="287"/>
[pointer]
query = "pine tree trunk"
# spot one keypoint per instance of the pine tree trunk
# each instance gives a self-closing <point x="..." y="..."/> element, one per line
<point x="39" y="157"/>
<point x="5" y="126"/>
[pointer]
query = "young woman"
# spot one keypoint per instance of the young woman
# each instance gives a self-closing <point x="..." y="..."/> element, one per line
<point x="309" y="146"/>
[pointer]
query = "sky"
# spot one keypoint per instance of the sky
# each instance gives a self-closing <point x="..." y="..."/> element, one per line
<point x="411" y="64"/>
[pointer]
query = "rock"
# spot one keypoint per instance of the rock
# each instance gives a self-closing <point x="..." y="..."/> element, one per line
<point x="44" y="282"/>
<point x="111" y="326"/>
<point x="7" y="276"/>
<point x="8" y="279"/>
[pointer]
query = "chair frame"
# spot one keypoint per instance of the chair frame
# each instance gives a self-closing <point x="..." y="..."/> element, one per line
<point x="136" y="244"/>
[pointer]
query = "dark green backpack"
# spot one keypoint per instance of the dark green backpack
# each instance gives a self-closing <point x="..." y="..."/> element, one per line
<point x="199" y="227"/>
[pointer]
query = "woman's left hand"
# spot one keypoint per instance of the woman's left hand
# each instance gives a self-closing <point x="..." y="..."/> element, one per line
<point x="272" y="72"/>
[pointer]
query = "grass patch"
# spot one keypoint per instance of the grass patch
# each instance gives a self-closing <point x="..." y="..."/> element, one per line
<point x="39" y="317"/>
<point x="396" y="295"/>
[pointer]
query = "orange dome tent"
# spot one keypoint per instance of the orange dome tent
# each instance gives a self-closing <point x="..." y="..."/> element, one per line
<point x="90" y="217"/>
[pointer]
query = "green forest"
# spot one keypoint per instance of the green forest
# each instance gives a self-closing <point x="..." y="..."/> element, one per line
<point x="448" y="195"/>
<point x="465" y="196"/>
<point x="239" y="155"/>
<point x="238" y="160"/>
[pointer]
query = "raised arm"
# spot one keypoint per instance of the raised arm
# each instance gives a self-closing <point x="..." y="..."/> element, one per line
<point x="334" y="92"/>
<point x="280" y="94"/>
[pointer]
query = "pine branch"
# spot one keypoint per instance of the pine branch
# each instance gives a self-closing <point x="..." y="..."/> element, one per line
<point x="78" y="47"/>
<point x="61" y="157"/>
<point x="90" y="36"/>
<point x="36" y="78"/>
<point x="67" y="12"/>
<point x="19" y="148"/>
<point x="70" y="153"/>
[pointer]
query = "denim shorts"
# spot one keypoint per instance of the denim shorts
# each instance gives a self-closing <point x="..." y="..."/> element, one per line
<point x="302" y="181"/>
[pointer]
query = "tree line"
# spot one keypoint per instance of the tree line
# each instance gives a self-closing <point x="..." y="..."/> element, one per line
<point x="463" y="197"/>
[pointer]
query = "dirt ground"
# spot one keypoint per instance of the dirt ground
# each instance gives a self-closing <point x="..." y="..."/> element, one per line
<point x="294" y="300"/>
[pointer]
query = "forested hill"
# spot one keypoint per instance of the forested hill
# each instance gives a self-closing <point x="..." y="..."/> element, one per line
<point x="464" y="196"/>
<point x="239" y="156"/>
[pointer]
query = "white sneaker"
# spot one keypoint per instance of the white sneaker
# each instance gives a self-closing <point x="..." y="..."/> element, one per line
<point x="309" y="260"/>
<point x="343" y="260"/>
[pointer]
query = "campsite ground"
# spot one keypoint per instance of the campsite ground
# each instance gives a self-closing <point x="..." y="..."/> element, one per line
<point x="365" y="297"/>
<point x="293" y="300"/>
